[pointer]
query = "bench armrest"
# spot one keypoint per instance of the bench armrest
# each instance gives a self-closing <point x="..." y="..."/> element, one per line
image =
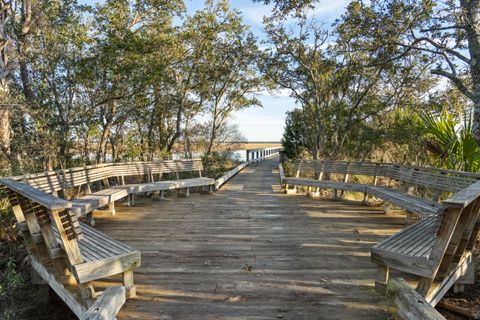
<point x="44" y="199"/>
<point x="463" y="197"/>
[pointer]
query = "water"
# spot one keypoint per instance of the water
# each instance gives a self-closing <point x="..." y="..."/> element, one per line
<point x="239" y="155"/>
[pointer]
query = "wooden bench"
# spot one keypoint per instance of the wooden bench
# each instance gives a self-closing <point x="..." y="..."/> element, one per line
<point x="66" y="253"/>
<point x="76" y="180"/>
<point x="400" y="182"/>
<point x="319" y="174"/>
<point x="437" y="249"/>
<point x="153" y="172"/>
<point x="409" y="202"/>
<point x="81" y="180"/>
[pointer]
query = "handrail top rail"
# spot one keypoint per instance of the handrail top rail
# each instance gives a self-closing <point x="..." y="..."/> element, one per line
<point x="264" y="149"/>
<point x="464" y="197"/>
<point x="44" y="199"/>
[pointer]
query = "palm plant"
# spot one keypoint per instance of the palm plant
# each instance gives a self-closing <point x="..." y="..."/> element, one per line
<point x="451" y="141"/>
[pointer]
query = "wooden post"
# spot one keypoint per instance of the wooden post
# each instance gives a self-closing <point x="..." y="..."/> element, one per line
<point x="129" y="284"/>
<point x="73" y="253"/>
<point x="382" y="278"/>
<point x="131" y="200"/>
<point x="111" y="208"/>
<point x="90" y="219"/>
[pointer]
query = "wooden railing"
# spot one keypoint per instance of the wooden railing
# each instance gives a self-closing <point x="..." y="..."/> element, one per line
<point x="410" y="304"/>
<point x="252" y="156"/>
<point x="261" y="154"/>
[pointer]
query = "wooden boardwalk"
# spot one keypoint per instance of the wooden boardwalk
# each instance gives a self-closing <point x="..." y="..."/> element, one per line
<point x="251" y="252"/>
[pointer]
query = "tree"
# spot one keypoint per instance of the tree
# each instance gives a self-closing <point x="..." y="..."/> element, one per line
<point x="286" y="6"/>
<point x="337" y="92"/>
<point x="5" y="45"/>
<point x="446" y="32"/>
<point x="227" y="78"/>
<point x="293" y="134"/>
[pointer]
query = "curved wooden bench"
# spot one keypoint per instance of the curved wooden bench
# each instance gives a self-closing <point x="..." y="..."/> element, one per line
<point x="312" y="173"/>
<point x="66" y="253"/>
<point x="437" y="249"/>
<point x="101" y="176"/>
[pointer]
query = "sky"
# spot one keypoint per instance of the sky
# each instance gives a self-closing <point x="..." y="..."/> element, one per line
<point x="266" y="123"/>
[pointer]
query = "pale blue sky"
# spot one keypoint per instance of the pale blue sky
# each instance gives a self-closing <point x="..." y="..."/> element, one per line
<point x="266" y="123"/>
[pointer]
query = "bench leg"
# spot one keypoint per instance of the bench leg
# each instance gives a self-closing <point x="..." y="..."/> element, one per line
<point x="187" y="192"/>
<point x="467" y="278"/>
<point x="408" y="218"/>
<point x="335" y="195"/>
<point x="211" y="189"/>
<point x="128" y="283"/>
<point x="90" y="219"/>
<point x="458" y="288"/>
<point x="131" y="200"/>
<point x="42" y="288"/>
<point x="424" y="286"/>
<point x="382" y="279"/>
<point x="365" y="199"/>
<point x="111" y="208"/>
<point x="290" y="191"/>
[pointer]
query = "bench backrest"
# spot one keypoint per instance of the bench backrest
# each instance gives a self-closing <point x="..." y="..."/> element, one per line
<point x="58" y="180"/>
<point x="449" y="181"/>
<point x="341" y="167"/>
<point x="53" y="181"/>
<point x="430" y="178"/>
<point x="156" y="167"/>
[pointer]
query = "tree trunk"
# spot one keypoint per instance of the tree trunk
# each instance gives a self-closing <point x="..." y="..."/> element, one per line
<point x="470" y="11"/>
<point x="4" y="74"/>
<point x="102" y="146"/>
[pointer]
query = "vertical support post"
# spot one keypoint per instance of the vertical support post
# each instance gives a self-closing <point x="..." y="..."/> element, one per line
<point x="131" y="200"/>
<point x="128" y="283"/>
<point x="382" y="278"/>
<point x="111" y="208"/>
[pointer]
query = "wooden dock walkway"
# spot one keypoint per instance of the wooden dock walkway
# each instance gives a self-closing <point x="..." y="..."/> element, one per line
<point x="251" y="252"/>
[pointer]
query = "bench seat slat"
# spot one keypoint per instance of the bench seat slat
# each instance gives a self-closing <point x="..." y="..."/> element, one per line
<point x="408" y="202"/>
<point x="102" y="255"/>
<point x="403" y="242"/>
<point x="326" y="184"/>
<point x="165" y="185"/>
<point x="93" y="201"/>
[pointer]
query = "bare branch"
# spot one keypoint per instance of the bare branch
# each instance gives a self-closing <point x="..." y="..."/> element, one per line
<point x="456" y="81"/>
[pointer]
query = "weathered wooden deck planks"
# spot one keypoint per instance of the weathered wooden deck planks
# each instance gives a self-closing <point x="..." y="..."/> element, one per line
<point x="309" y="259"/>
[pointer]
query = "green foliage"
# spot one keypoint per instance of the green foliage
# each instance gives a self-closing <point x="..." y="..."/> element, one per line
<point x="12" y="283"/>
<point x="217" y="163"/>
<point x="452" y="143"/>
<point x="294" y="134"/>
<point x="345" y="96"/>
<point x="286" y="6"/>
<point x="440" y="33"/>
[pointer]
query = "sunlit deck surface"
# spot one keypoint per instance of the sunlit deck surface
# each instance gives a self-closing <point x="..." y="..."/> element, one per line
<point x="309" y="259"/>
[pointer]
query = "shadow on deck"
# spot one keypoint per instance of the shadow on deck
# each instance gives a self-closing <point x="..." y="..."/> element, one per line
<point x="252" y="252"/>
